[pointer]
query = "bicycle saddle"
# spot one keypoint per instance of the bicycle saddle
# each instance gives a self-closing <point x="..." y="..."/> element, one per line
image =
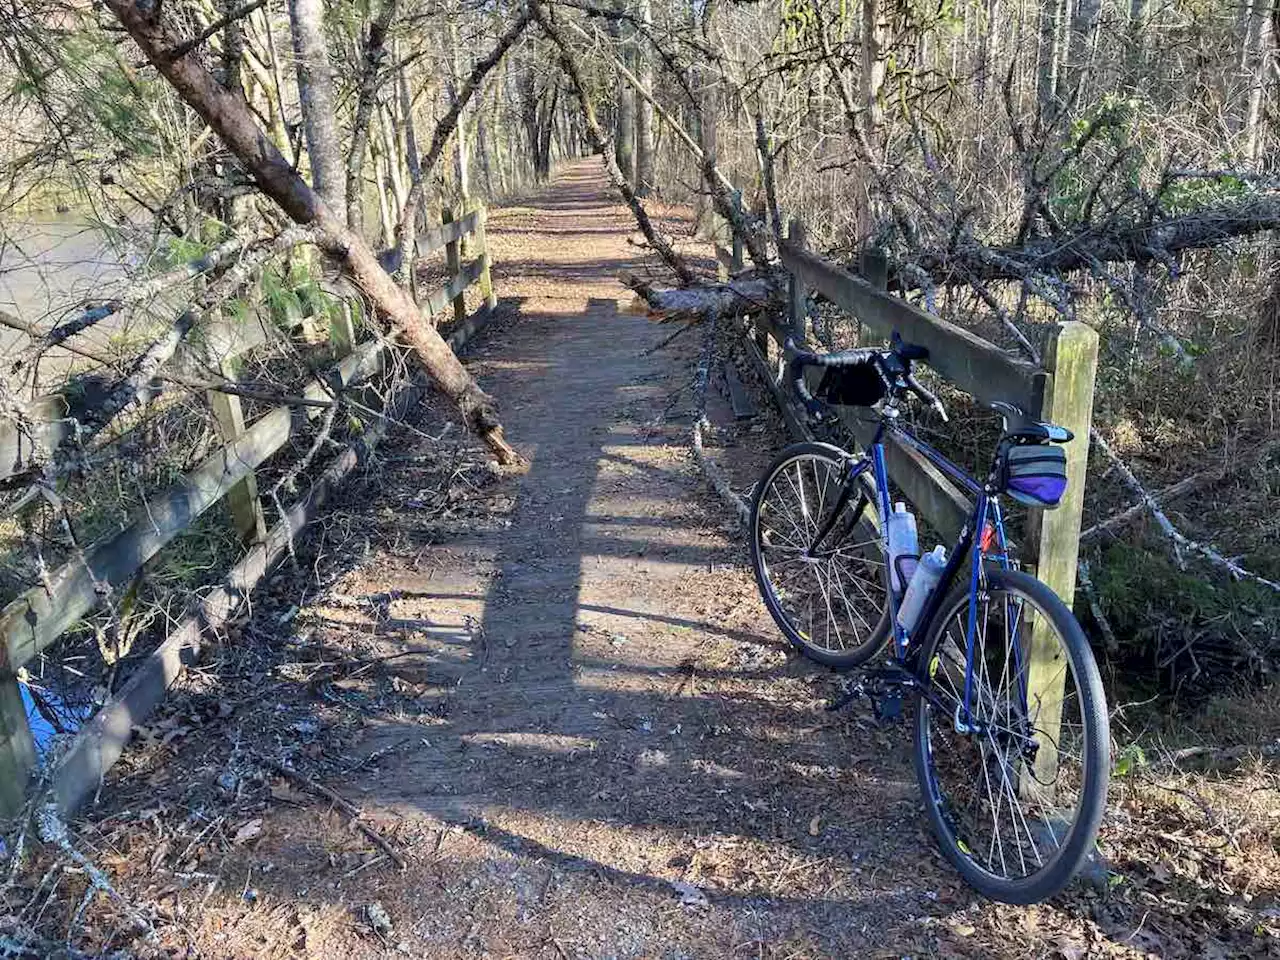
<point x="1020" y="426"/>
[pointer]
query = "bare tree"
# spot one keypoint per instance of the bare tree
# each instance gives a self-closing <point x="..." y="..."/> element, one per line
<point x="230" y="118"/>
<point x="315" y="93"/>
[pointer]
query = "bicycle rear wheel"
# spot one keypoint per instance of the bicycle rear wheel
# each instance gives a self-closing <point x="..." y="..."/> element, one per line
<point x="1016" y="801"/>
<point x="832" y="603"/>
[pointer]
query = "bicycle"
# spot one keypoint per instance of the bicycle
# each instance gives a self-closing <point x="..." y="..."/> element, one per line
<point x="992" y="742"/>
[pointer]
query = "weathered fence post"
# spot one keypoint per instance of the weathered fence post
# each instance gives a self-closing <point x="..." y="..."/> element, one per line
<point x="874" y="267"/>
<point x="243" y="503"/>
<point x="342" y="328"/>
<point x="1071" y="359"/>
<point x="17" y="746"/>
<point x="453" y="263"/>
<point x="799" y="295"/>
<point x="482" y="245"/>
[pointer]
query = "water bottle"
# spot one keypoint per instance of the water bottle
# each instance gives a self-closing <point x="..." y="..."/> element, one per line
<point x="928" y="573"/>
<point x="904" y="547"/>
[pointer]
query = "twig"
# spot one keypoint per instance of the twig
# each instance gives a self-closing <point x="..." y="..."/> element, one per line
<point x="337" y="800"/>
<point x="1166" y="526"/>
<point x="1095" y="607"/>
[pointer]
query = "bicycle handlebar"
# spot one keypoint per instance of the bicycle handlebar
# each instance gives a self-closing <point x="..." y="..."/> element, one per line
<point x="892" y="365"/>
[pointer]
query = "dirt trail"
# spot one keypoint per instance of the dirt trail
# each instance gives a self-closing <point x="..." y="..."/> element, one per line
<point x="617" y="714"/>
<point x="589" y="741"/>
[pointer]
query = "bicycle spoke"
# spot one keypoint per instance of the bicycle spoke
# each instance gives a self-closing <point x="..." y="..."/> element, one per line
<point x="837" y="605"/>
<point x="1012" y="824"/>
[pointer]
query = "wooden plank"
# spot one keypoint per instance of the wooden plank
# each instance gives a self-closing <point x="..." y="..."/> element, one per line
<point x="460" y="334"/>
<point x="17" y="748"/>
<point x="38" y="617"/>
<point x="437" y="302"/>
<point x="743" y="406"/>
<point x="1072" y="359"/>
<point x="102" y="740"/>
<point x="453" y="262"/>
<point x="431" y="241"/>
<point x="926" y="488"/>
<point x="974" y="365"/>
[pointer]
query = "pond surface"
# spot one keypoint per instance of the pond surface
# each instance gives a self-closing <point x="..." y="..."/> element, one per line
<point x="50" y="265"/>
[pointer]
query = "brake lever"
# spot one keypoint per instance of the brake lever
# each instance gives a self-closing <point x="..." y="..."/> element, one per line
<point x="928" y="398"/>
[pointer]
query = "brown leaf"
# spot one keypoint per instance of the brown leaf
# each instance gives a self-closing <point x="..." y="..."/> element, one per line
<point x="249" y="830"/>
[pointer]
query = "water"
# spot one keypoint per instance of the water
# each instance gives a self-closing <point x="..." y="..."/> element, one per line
<point x="49" y="266"/>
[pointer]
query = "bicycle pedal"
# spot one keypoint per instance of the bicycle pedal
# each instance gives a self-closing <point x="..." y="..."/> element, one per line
<point x="851" y="690"/>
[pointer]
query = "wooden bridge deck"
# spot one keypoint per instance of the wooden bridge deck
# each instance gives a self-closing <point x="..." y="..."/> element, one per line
<point x="589" y="703"/>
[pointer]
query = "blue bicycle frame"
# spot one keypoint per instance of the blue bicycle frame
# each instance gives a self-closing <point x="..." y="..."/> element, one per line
<point x="986" y="511"/>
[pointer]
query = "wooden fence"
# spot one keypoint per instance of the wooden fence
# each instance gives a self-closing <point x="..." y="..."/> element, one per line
<point x="1059" y="391"/>
<point x="37" y="618"/>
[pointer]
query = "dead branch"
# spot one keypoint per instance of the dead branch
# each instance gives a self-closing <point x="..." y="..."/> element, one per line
<point x="1168" y="529"/>
<point x="347" y="807"/>
<point x="1232" y="466"/>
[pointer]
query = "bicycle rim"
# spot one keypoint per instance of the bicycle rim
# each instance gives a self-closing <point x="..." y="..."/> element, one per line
<point x="831" y="603"/>
<point x="1015" y="802"/>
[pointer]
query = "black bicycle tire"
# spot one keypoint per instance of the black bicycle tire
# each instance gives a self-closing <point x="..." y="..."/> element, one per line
<point x="1073" y="853"/>
<point x="846" y="660"/>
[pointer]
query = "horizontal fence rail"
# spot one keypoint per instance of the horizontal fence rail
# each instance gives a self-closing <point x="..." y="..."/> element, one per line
<point x="41" y="615"/>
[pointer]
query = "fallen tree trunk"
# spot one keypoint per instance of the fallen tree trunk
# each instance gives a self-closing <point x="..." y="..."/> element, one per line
<point x="743" y="295"/>
<point x="230" y="117"/>
<point x="1158" y="241"/>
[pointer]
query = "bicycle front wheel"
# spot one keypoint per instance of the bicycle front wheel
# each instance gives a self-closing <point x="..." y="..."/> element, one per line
<point x="830" y="601"/>
<point x="1014" y="792"/>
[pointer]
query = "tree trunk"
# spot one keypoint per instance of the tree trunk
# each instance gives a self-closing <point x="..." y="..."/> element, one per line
<point x="315" y="94"/>
<point x="1084" y="34"/>
<point x="462" y="153"/>
<point x="229" y="117"/>
<point x="644" y="111"/>
<point x="872" y="64"/>
<point x="266" y="69"/>
<point x="1260" y="58"/>
<point x="374" y="47"/>
<point x="624" y="127"/>
<point x="1048" y="57"/>
<point x="705" y="114"/>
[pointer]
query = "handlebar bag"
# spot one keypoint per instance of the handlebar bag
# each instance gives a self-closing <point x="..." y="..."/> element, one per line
<point x="1034" y="474"/>
<point x="852" y="385"/>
